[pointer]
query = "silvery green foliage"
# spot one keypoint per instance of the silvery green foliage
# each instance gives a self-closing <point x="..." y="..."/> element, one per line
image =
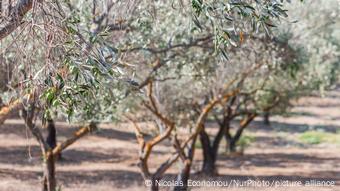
<point x="191" y="72"/>
<point x="294" y="64"/>
<point x="265" y="61"/>
<point x="229" y="19"/>
<point x="315" y="37"/>
<point x="64" y="57"/>
<point x="310" y="53"/>
<point x="79" y="64"/>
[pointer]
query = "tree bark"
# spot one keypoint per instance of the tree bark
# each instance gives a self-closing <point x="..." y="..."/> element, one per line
<point x="184" y="175"/>
<point x="232" y="140"/>
<point x="49" y="180"/>
<point x="154" y="185"/>
<point x="14" y="106"/>
<point x="51" y="138"/>
<point x="1" y="102"/>
<point x="231" y="145"/>
<point x="209" y="157"/>
<point x="219" y="136"/>
<point x="266" y="120"/>
<point x="6" y="111"/>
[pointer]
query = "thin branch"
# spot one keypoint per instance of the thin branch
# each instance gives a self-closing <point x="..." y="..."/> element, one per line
<point x="77" y="135"/>
<point x="138" y="132"/>
<point x="15" y="17"/>
<point x="192" y="43"/>
<point x="205" y="111"/>
<point x="13" y="107"/>
<point x="28" y="115"/>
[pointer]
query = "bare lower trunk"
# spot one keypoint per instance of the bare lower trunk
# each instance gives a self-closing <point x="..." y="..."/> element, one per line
<point x="154" y="185"/>
<point x="266" y="120"/>
<point x="210" y="151"/>
<point x="51" y="138"/>
<point x="208" y="167"/>
<point x="232" y="140"/>
<point x="1" y="102"/>
<point x="231" y="145"/>
<point x="209" y="157"/>
<point x="49" y="180"/>
<point x="184" y="175"/>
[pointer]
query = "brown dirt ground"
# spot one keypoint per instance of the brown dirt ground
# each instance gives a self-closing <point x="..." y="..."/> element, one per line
<point x="106" y="160"/>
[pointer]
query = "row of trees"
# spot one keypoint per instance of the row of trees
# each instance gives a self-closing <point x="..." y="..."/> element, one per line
<point x="174" y="65"/>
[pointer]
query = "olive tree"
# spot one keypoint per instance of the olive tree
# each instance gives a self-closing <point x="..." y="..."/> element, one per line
<point x="59" y="60"/>
<point x="66" y="53"/>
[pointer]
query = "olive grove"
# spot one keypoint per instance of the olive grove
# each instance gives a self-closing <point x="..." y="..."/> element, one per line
<point x="169" y="68"/>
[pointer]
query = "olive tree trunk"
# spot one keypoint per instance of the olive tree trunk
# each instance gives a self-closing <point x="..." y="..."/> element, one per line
<point x="209" y="157"/>
<point x="51" y="138"/>
<point x="266" y="120"/>
<point x="49" y="180"/>
<point x="184" y="174"/>
<point x="210" y="150"/>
